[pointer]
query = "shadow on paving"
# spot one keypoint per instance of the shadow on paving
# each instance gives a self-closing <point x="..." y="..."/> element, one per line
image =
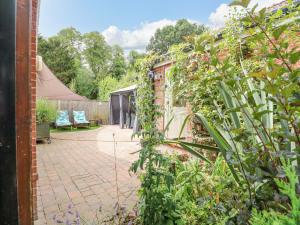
<point x="77" y="175"/>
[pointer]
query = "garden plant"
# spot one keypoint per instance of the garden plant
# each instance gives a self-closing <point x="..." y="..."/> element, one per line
<point x="243" y="87"/>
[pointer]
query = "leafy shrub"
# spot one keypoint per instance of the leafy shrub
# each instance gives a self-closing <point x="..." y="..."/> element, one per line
<point x="290" y="190"/>
<point x="45" y="111"/>
<point x="85" y="84"/>
<point x="250" y="101"/>
<point x="245" y="92"/>
<point x="106" y="86"/>
<point x="110" y="84"/>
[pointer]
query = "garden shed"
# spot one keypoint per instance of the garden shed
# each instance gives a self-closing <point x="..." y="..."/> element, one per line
<point x="123" y="107"/>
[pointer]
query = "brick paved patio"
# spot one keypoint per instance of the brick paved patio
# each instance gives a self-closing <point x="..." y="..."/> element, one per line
<point x="76" y="175"/>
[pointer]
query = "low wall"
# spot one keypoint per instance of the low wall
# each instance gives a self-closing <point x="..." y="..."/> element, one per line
<point x="94" y="110"/>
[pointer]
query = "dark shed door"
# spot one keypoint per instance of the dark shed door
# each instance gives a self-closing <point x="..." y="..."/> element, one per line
<point x="8" y="181"/>
<point x="115" y="104"/>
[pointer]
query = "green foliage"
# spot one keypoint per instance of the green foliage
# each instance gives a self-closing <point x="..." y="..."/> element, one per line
<point x="59" y="57"/>
<point x="169" y="35"/>
<point x="247" y="104"/>
<point x="289" y="189"/>
<point x="72" y="39"/>
<point x="81" y="61"/>
<point x="118" y="67"/>
<point x="244" y="89"/>
<point x="45" y="111"/>
<point x="106" y="86"/>
<point x="110" y="84"/>
<point x="133" y="57"/>
<point x="97" y="53"/>
<point x="85" y="84"/>
<point x="157" y="206"/>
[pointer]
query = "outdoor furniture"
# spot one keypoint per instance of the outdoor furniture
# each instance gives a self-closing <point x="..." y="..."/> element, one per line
<point x="80" y="119"/>
<point x="63" y="120"/>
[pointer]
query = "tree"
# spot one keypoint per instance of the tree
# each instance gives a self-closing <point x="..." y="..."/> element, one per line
<point x="97" y="53"/>
<point x="118" y="64"/>
<point x="106" y="86"/>
<point x="59" y="57"/>
<point x="85" y="83"/>
<point x="132" y="58"/>
<point x="72" y="38"/>
<point x="169" y="35"/>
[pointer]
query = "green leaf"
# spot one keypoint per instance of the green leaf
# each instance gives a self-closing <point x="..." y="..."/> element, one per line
<point x="221" y="143"/>
<point x="243" y="3"/>
<point x="194" y="152"/>
<point x="195" y="145"/>
<point x="183" y="125"/>
<point x="168" y="125"/>
<point x="278" y="31"/>
<point x="295" y="57"/>
<point x="230" y="104"/>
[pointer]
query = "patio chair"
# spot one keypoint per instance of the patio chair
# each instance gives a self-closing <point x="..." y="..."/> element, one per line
<point x="80" y="119"/>
<point x="62" y="119"/>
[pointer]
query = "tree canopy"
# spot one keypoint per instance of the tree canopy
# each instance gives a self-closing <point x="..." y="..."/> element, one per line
<point x="84" y="61"/>
<point x="97" y="53"/>
<point x="60" y="58"/>
<point x="118" y="66"/>
<point x="170" y="35"/>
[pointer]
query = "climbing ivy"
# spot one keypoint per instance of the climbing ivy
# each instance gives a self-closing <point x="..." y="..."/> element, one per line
<point x="154" y="164"/>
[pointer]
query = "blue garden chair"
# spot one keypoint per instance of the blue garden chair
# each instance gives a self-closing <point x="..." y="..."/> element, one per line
<point x="80" y="119"/>
<point x="63" y="120"/>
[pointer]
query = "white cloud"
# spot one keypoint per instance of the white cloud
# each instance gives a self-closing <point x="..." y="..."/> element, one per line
<point x="134" y="39"/>
<point x="218" y="18"/>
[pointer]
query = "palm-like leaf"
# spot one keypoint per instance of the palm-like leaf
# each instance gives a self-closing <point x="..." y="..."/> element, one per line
<point x="221" y="142"/>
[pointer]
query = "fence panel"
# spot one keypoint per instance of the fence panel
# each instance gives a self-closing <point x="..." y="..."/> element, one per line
<point x="94" y="110"/>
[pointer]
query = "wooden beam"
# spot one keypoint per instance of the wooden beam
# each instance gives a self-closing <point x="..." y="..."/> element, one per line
<point x="23" y="109"/>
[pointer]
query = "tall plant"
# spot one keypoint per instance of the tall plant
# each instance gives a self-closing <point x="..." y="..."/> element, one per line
<point x="156" y="166"/>
<point x="45" y="111"/>
<point x="255" y="121"/>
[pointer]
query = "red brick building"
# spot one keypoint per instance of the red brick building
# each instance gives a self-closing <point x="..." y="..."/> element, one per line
<point x="164" y="98"/>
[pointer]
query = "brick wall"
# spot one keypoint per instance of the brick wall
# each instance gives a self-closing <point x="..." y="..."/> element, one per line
<point x="159" y="92"/>
<point x="33" y="102"/>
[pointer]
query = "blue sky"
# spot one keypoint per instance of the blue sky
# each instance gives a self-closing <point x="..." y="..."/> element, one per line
<point x="129" y="23"/>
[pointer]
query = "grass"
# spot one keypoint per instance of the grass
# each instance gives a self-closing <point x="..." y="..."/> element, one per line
<point x="74" y="129"/>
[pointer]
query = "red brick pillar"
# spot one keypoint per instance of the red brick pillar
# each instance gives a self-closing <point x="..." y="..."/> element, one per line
<point x="33" y="103"/>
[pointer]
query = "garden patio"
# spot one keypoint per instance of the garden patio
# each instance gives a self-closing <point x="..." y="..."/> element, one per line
<point x="77" y="175"/>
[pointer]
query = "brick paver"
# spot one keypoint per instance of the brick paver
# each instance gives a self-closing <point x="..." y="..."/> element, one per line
<point x="77" y="175"/>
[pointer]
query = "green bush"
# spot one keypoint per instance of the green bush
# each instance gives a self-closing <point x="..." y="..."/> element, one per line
<point x="45" y="111"/>
<point x="244" y="89"/>
<point x="106" y="86"/>
<point x="110" y="84"/>
<point x="288" y="189"/>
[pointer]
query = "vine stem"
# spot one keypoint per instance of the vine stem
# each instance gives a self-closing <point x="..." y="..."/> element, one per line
<point x="270" y="40"/>
<point x="116" y="179"/>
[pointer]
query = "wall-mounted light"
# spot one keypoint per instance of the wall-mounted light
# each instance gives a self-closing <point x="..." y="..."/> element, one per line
<point x="151" y="75"/>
